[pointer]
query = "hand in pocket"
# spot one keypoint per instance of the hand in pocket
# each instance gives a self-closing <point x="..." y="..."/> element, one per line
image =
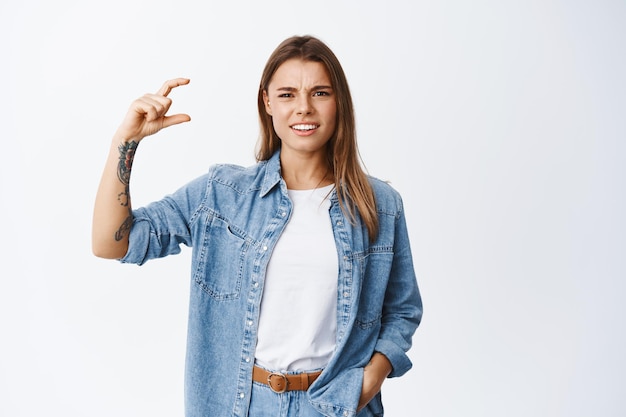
<point x="374" y="375"/>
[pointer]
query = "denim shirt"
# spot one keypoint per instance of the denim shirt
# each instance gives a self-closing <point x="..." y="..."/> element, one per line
<point x="232" y="217"/>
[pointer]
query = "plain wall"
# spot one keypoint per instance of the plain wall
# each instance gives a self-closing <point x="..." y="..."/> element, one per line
<point x="501" y="123"/>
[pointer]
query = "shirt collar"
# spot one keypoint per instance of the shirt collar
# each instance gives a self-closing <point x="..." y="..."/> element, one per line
<point x="272" y="173"/>
<point x="273" y="177"/>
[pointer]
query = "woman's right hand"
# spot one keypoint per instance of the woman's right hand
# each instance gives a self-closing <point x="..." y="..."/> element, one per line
<point x="147" y="115"/>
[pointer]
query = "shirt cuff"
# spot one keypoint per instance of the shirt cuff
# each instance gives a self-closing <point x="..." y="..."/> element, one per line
<point x="398" y="358"/>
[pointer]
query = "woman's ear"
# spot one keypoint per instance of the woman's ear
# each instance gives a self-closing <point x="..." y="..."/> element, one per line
<point x="266" y="100"/>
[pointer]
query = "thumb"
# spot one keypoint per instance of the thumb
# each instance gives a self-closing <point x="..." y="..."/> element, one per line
<point x="175" y="119"/>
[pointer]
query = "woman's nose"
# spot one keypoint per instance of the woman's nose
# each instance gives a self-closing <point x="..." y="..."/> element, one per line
<point x="304" y="105"/>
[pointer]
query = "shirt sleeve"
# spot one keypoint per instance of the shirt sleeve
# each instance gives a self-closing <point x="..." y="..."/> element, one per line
<point x="402" y="308"/>
<point x="160" y="228"/>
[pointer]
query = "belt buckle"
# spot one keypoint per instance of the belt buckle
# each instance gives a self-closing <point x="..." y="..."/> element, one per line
<point x="284" y="382"/>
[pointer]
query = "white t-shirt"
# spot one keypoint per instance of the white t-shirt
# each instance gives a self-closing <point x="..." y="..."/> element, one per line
<point x="298" y="322"/>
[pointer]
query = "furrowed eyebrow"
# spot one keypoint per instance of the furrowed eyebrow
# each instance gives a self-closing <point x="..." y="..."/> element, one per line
<point x="316" y="88"/>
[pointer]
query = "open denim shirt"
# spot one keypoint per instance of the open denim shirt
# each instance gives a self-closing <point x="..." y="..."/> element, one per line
<point x="232" y="217"/>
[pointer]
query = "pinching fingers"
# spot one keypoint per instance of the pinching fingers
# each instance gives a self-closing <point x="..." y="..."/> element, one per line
<point x="169" y="85"/>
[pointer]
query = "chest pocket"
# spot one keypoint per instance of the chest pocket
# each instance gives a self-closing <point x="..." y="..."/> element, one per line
<point x="219" y="270"/>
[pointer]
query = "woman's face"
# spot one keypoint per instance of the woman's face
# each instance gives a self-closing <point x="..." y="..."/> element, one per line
<point x="301" y="101"/>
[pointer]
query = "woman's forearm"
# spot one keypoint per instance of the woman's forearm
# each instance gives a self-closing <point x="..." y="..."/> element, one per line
<point x="112" y="217"/>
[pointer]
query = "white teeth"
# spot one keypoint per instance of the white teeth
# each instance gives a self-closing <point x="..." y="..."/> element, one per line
<point x="304" y="127"/>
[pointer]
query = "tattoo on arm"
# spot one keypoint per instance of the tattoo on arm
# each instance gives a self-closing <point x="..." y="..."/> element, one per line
<point x="127" y="155"/>
<point x="124" y="228"/>
<point x="124" y="198"/>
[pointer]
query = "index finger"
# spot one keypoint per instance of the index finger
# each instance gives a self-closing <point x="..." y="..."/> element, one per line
<point x="169" y="85"/>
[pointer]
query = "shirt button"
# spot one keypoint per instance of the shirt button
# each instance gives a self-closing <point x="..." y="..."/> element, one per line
<point x="339" y="223"/>
<point x="255" y="285"/>
<point x="345" y="413"/>
<point x="345" y="258"/>
<point x="283" y="214"/>
<point x="241" y="395"/>
<point x="247" y="360"/>
<point x="346" y="294"/>
<point x="250" y="322"/>
<point x="264" y="248"/>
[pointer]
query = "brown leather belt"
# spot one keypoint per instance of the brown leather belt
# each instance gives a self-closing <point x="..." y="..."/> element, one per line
<point x="280" y="383"/>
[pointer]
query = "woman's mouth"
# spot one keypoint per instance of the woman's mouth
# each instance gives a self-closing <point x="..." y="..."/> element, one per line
<point x="305" y="127"/>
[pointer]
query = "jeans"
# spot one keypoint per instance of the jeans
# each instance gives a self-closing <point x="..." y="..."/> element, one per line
<point x="266" y="403"/>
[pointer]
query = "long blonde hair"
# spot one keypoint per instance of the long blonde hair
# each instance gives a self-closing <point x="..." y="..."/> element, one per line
<point x="354" y="191"/>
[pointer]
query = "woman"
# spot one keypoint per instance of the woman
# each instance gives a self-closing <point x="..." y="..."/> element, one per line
<point x="304" y="297"/>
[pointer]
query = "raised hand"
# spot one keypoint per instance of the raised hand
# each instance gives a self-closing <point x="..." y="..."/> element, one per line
<point x="113" y="218"/>
<point x="147" y="114"/>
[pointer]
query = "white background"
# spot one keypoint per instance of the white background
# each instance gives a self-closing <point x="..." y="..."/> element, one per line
<point x="502" y="124"/>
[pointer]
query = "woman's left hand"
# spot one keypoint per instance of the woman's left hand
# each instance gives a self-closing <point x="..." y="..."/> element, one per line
<point x="374" y="375"/>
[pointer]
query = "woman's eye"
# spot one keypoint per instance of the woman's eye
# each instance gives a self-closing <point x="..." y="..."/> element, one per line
<point x="321" y="93"/>
<point x="286" y="95"/>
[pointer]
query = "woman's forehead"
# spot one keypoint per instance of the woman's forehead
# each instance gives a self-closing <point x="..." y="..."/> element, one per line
<point x="300" y="73"/>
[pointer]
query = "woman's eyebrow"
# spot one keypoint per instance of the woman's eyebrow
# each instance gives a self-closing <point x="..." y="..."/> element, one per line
<point x="317" y="87"/>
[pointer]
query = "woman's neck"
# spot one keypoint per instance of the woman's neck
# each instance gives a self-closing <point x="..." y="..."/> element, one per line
<point x="306" y="173"/>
